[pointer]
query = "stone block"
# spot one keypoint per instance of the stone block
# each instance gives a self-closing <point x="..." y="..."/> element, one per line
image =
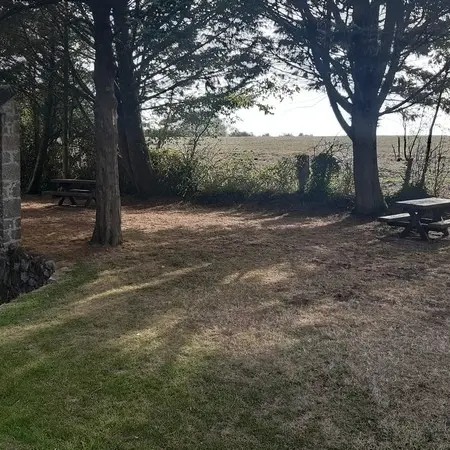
<point x="11" y="172"/>
<point x="11" y="189"/>
<point x="11" y="208"/>
<point x="6" y="157"/>
<point x="20" y="272"/>
<point x="10" y="204"/>
<point x="15" y="157"/>
<point x="16" y="234"/>
<point x="8" y="224"/>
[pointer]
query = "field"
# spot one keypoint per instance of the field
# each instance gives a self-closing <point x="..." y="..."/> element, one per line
<point x="269" y="149"/>
<point x="226" y="329"/>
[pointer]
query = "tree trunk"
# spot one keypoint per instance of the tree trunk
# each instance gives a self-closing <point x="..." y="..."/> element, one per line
<point x="369" y="198"/>
<point x="426" y="164"/>
<point x="66" y="88"/>
<point x="408" y="174"/>
<point x="108" y="220"/>
<point x="138" y="155"/>
<point x="44" y="141"/>
<point x="35" y="184"/>
<point x="125" y="172"/>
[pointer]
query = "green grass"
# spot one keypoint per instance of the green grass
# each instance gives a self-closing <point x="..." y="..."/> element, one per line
<point x="65" y="385"/>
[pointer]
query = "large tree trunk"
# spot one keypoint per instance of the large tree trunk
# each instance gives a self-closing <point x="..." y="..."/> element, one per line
<point x="125" y="172"/>
<point x="138" y="156"/>
<point x="108" y="220"/>
<point x="45" y="140"/>
<point x="35" y="184"/>
<point x="66" y="88"/>
<point x="369" y="198"/>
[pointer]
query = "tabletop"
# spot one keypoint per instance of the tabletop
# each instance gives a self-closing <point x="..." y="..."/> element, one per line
<point x="74" y="181"/>
<point x="426" y="203"/>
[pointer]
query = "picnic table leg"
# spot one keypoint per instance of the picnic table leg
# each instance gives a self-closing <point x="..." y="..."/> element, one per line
<point x="416" y="216"/>
<point x="415" y="224"/>
<point x="72" y="201"/>
<point x="88" y="202"/>
<point x="61" y="201"/>
<point x="408" y="229"/>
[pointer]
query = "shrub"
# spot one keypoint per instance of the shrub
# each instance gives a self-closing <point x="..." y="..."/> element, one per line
<point x="189" y="174"/>
<point x="344" y="184"/>
<point x="331" y="170"/>
<point x="241" y="133"/>
<point x="177" y="174"/>
<point x="194" y="171"/>
<point x="280" y="177"/>
<point x="324" y="167"/>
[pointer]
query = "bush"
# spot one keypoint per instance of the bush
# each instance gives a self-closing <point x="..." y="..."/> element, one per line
<point x="188" y="174"/>
<point x="324" y="167"/>
<point x="280" y="177"/>
<point x="240" y="133"/>
<point x="331" y="171"/>
<point x="177" y="174"/>
<point x="205" y="172"/>
<point x="239" y="175"/>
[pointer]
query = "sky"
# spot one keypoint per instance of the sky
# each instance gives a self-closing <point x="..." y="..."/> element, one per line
<point x="310" y="113"/>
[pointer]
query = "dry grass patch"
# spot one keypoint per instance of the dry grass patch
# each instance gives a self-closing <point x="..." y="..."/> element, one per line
<point x="228" y="329"/>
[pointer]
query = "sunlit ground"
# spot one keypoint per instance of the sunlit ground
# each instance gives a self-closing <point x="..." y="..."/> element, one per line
<point x="228" y="329"/>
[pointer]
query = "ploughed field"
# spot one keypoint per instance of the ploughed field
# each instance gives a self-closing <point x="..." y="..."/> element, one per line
<point x="268" y="150"/>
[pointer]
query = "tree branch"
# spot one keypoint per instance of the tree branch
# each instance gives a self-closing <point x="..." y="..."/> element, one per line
<point x="410" y="99"/>
<point x="21" y="7"/>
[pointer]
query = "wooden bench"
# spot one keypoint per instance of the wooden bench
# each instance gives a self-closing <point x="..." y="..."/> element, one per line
<point x="396" y="220"/>
<point x="72" y="195"/>
<point x="403" y="220"/>
<point x="82" y="194"/>
<point x="442" y="225"/>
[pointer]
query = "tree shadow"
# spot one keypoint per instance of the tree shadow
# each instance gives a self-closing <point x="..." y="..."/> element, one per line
<point x="204" y="331"/>
<point x="155" y="376"/>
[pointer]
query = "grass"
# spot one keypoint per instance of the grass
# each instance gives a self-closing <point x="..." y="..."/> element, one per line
<point x="227" y="328"/>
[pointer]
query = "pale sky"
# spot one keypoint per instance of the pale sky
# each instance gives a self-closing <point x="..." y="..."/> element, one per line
<point x="310" y="113"/>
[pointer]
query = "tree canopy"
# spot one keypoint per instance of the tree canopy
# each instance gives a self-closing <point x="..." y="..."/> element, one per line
<point x="147" y="56"/>
<point x="371" y="57"/>
<point x="89" y="71"/>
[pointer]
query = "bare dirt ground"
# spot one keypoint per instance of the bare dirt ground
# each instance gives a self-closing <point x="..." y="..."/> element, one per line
<point x="338" y="328"/>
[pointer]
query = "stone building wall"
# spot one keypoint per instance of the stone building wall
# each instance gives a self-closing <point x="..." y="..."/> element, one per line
<point x="10" y="205"/>
<point x="20" y="272"/>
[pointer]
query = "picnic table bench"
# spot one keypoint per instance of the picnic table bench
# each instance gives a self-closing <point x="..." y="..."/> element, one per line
<point x="414" y="218"/>
<point x="73" y="189"/>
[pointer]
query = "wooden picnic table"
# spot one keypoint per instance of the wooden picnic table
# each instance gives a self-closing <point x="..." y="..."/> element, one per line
<point x="422" y="216"/>
<point x="73" y="188"/>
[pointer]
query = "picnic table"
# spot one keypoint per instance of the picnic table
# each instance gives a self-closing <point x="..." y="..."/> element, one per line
<point x="73" y="189"/>
<point x="421" y="216"/>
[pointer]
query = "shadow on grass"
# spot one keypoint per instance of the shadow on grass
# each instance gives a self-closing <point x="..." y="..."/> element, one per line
<point x="125" y="379"/>
<point x="236" y="335"/>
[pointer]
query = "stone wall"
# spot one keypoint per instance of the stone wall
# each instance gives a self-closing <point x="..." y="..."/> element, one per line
<point x="19" y="271"/>
<point x="10" y="208"/>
